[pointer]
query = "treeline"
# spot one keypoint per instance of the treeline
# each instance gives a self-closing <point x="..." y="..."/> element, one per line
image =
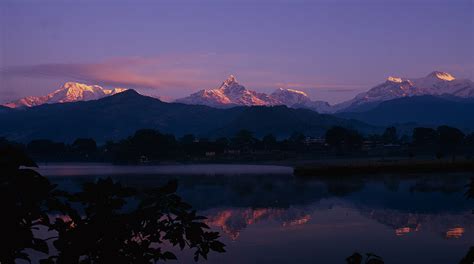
<point x="149" y="145"/>
<point x="440" y="142"/>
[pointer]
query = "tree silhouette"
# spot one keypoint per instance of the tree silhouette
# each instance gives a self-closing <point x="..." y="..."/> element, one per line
<point x="423" y="136"/>
<point x="103" y="223"/>
<point x="390" y="135"/>
<point x="357" y="258"/>
<point x="85" y="147"/>
<point x="99" y="228"/>
<point x="46" y="149"/>
<point x="145" y="143"/>
<point x="469" y="258"/>
<point x="269" y="142"/>
<point x="244" y="140"/>
<point x="341" y="138"/>
<point x="24" y="195"/>
<point x="450" y="139"/>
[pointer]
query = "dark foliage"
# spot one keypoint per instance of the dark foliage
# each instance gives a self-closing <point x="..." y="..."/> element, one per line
<point x="343" y="139"/>
<point x="390" y="135"/>
<point x="450" y="139"/>
<point x="24" y="195"/>
<point x="148" y="145"/>
<point x="46" y="149"/>
<point x="423" y="137"/>
<point x="357" y="258"/>
<point x="441" y="141"/>
<point x="144" y="144"/>
<point x="84" y="147"/>
<point x="469" y="258"/>
<point x="104" y="223"/>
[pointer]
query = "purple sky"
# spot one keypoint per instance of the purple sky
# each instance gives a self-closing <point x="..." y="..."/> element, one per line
<point x="330" y="49"/>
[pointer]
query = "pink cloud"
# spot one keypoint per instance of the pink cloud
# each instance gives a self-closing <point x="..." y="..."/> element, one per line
<point x="129" y="72"/>
<point x="172" y="75"/>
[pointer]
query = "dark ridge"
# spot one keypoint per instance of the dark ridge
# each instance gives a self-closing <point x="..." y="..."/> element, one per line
<point x="120" y="115"/>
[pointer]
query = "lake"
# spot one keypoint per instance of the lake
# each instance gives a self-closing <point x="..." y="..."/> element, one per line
<point x="267" y="215"/>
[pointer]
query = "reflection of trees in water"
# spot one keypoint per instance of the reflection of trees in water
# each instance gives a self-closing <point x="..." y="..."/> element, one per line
<point x="470" y="189"/>
<point x="343" y="187"/>
<point x="414" y="220"/>
<point x="446" y="185"/>
<point x="255" y="191"/>
<point x="289" y="199"/>
<point x="283" y="191"/>
<point x="103" y="223"/>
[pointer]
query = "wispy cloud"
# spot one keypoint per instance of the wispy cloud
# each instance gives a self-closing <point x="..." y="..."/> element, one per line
<point x="173" y="75"/>
<point x="130" y="72"/>
<point x="323" y="86"/>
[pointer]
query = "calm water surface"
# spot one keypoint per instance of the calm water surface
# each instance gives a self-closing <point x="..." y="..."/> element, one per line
<point x="267" y="215"/>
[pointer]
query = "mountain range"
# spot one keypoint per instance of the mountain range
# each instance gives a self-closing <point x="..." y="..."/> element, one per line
<point x="230" y="93"/>
<point x="436" y="83"/>
<point x="79" y="110"/>
<point x="69" y="92"/>
<point x="120" y="115"/>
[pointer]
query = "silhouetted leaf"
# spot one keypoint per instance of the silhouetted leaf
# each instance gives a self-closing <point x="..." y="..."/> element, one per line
<point x="169" y="255"/>
<point x="355" y="258"/>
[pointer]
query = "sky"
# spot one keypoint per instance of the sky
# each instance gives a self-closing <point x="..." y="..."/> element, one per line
<point x="332" y="50"/>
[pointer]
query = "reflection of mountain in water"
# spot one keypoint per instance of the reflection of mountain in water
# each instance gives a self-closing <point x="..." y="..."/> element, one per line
<point x="447" y="225"/>
<point x="233" y="221"/>
<point x="410" y="204"/>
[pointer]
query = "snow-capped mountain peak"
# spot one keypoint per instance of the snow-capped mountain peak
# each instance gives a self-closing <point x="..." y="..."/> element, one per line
<point x="230" y="93"/>
<point x="295" y="91"/>
<point x="290" y="97"/>
<point x="232" y="89"/>
<point x="435" y="83"/>
<point x="442" y="76"/>
<point x="394" y="79"/>
<point x="69" y="92"/>
<point x="229" y="81"/>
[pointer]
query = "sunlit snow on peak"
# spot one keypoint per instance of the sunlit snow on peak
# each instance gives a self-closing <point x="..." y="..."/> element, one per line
<point x="442" y="76"/>
<point x="394" y="79"/>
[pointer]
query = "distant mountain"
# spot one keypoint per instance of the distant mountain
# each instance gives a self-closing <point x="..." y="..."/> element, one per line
<point x="435" y="83"/>
<point x="298" y="99"/>
<point x="290" y="97"/>
<point x="69" y="92"/>
<point x="422" y="110"/>
<point x="231" y="93"/>
<point x="4" y="109"/>
<point x="118" y="116"/>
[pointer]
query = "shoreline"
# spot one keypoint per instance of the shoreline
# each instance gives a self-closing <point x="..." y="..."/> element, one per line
<point x="415" y="166"/>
